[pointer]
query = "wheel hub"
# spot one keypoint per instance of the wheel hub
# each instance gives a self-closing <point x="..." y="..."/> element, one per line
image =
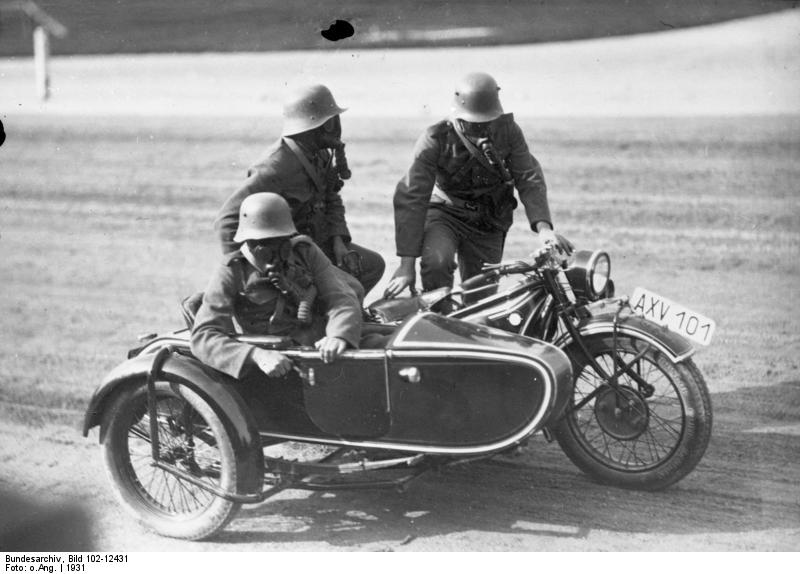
<point x="621" y="412"/>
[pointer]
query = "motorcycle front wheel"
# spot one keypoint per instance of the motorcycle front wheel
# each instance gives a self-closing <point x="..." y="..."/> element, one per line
<point x="646" y="432"/>
<point x="192" y="439"/>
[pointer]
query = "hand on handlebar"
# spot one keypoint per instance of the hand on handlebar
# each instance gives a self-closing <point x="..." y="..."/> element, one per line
<point x="549" y="238"/>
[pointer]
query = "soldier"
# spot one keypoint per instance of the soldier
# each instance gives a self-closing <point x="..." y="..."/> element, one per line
<point x="276" y="283"/>
<point x="474" y="159"/>
<point x="300" y="166"/>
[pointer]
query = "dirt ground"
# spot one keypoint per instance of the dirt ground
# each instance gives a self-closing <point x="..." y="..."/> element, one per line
<point x="112" y="265"/>
<point x="743" y="496"/>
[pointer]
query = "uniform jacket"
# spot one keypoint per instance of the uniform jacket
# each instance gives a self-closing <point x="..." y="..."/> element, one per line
<point x="317" y="213"/>
<point x="439" y="156"/>
<point x="239" y="294"/>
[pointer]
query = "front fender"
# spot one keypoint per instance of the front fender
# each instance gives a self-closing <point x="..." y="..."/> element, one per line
<point x="605" y="318"/>
<point x="219" y="390"/>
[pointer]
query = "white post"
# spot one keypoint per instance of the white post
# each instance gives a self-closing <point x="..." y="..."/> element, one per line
<point x="41" y="53"/>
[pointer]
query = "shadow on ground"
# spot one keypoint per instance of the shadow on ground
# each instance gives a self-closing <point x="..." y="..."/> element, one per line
<point x="746" y="481"/>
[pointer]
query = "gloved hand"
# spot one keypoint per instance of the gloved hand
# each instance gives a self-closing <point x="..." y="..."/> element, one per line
<point x="330" y="348"/>
<point x="272" y="363"/>
<point x="549" y="237"/>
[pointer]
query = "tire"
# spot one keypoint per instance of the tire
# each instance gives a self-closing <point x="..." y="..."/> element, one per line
<point x="161" y="501"/>
<point x="651" y="440"/>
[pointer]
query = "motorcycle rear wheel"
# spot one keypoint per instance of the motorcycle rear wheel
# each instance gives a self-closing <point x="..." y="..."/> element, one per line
<point x="633" y="436"/>
<point x="193" y="439"/>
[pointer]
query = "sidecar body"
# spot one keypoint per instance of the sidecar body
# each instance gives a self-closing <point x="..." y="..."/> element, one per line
<point x="185" y="445"/>
<point x="438" y="386"/>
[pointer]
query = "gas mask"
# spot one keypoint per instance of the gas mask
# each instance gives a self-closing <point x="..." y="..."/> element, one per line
<point x="269" y="254"/>
<point x="331" y="137"/>
<point x="328" y="135"/>
<point x="476" y="130"/>
<point x="271" y="257"/>
<point x="480" y="134"/>
<point x="331" y="132"/>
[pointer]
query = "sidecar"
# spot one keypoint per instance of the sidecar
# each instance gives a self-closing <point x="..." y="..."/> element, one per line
<point x="439" y="390"/>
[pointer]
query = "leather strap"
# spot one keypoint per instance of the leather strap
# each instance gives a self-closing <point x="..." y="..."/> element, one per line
<point x="442" y="197"/>
<point x="500" y="169"/>
<point x="245" y="249"/>
<point x="471" y="148"/>
<point x="458" y="177"/>
<point x="312" y="173"/>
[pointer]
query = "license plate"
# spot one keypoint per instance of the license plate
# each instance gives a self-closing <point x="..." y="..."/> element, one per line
<point x="673" y="316"/>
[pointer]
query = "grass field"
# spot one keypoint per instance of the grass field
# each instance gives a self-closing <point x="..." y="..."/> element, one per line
<point x="106" y="225"/>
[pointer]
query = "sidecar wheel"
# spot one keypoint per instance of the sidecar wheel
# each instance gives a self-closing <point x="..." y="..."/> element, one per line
<point x="637" y="437"/>
<point x="193" y="439"/>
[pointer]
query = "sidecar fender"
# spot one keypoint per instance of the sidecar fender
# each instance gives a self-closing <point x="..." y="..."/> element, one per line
<point x="604" y="321"/>
<point x="216" y="388"/>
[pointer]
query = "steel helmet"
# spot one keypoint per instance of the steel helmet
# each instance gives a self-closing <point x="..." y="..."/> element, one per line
<point x="308" y="108"/>
<point x="477" y="99"/>
<point x="264" y="215"/>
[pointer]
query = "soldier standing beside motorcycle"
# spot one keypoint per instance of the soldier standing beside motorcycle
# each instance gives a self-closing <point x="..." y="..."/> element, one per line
<point x="307" y="166"/>
<point x="275" y="283"/>
<point x="457" y="198"/>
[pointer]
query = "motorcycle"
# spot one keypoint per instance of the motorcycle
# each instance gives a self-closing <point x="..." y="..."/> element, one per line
<point x="640" y="412"/>
<point x="458" y="376"/>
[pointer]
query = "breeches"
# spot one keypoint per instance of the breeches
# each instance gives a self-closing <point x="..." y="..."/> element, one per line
<point x="372" y="265"/>
<point x="446" y="239"/>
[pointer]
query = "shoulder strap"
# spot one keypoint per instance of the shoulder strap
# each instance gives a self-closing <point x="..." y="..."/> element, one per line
<point x="458" y="177"/>
<point x="312" y="173"/>
<point x="245" y="250"/>
<point x="474" y="151"/>
<point x="493" y="164"/>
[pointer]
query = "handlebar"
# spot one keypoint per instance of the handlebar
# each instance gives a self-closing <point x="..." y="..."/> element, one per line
<point x="493" y="271"/>
<point x="543" y="257"/>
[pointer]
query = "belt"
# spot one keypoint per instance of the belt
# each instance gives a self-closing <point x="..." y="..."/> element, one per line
<point x="439" y="196"/>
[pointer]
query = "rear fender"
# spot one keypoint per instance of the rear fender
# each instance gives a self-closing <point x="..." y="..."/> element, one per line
<point x="605" y="319"/>
<point x="216" y="388"/>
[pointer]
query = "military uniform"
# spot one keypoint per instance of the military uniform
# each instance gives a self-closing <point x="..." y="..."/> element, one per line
<point x="239" y="294"/>
<point x="317" y="208"/>
<point x="450" y="203"/>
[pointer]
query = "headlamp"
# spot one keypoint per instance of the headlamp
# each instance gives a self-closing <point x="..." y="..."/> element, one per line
<point x="589" y="274"/>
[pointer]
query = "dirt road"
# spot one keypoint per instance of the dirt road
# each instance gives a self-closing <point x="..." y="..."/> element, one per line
<point x="72" y="299"/>
<point x="742" y="497"/>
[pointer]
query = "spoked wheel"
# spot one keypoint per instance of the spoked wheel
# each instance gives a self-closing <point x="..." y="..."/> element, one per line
<point x="650" y="430"/>
<point x="192" y="439"/>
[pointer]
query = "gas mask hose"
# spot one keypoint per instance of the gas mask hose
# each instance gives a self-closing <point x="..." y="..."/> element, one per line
<point x="340" y="160"/>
